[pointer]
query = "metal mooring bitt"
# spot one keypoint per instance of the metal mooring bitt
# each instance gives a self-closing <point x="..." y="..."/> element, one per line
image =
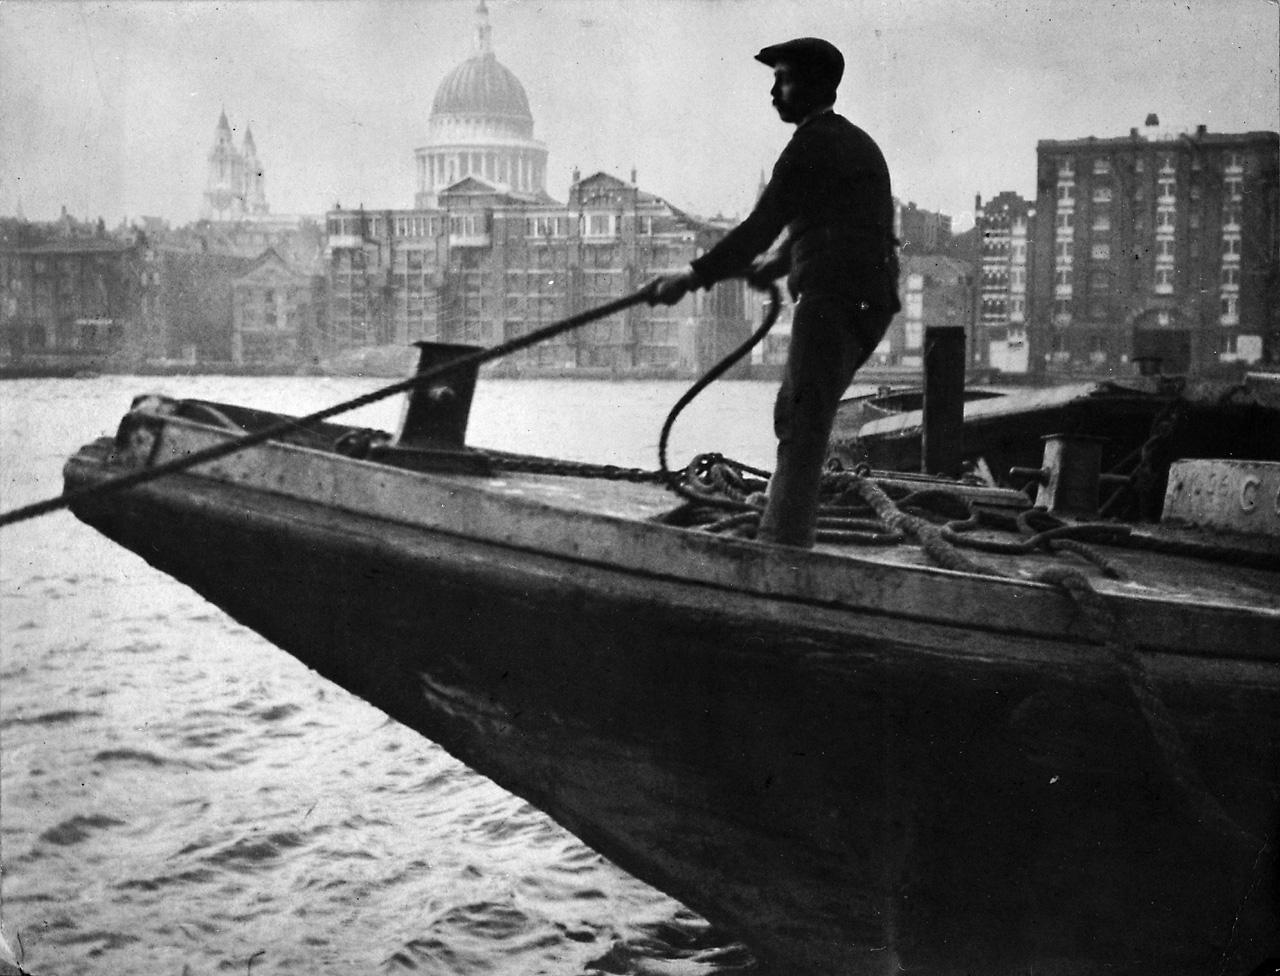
<point x="436" y="415"/>
<point x="942" y="414"/>
<point x="1070" y="475"/>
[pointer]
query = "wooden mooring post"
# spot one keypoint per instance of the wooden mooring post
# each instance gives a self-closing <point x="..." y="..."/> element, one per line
<point x="942" y="437"/>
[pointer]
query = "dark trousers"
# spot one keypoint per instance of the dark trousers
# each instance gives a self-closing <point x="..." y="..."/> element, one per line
<point x="831" y="336"/>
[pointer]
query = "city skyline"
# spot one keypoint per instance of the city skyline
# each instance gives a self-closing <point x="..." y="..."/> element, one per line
<point x="338" y="94"/>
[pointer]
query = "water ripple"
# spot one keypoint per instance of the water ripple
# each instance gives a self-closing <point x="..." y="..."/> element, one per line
<point x="46" y="718"/>
<point x="141" y="756"/>
<point x="249" y="852"/>
<point x="78" y="828"/>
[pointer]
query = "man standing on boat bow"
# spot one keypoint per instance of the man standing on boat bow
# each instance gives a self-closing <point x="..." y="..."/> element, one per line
<point x="827" y="211"/>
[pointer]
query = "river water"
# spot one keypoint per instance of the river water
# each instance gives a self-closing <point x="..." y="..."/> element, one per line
<point x="178" y="797"/>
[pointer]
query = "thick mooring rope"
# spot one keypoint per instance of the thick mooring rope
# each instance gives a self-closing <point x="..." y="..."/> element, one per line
<point x="284" y="427"/>
<point x="673" y="480"/>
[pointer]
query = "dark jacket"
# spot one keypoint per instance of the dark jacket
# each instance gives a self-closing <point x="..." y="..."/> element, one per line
<point x="830" y="190"/>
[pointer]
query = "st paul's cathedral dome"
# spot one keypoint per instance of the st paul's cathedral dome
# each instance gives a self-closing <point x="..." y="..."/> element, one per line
<point x="481" y="127"/>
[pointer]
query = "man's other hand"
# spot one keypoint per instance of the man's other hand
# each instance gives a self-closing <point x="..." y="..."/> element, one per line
<point x="669" y="289"/>
<point x="766" y="270"/>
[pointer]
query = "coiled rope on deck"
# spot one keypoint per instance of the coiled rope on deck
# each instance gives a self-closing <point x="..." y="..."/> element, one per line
<point x="673" y="480"/>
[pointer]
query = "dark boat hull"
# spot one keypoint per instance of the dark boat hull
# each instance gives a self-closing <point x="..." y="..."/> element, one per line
<point x="853" y="791"/>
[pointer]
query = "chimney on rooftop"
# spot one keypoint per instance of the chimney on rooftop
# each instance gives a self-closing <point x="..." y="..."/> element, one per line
<point x="1152" y="119"/>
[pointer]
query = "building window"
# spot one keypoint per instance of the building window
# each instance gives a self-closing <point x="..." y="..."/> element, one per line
<point x="1164" y="249"/>
<point x="541" y="226"/>
<point x="1063" y="251"/>
<point x="1102" y="166"/>
<point x="1165" y="220"/>
<point x="1231" y="246"/>
<point x="1231" y="276"/>
<point x="1164" y="280"/>
<point x="1066" y="193"/>
<point x="1102" y="194"/>
<point x="598" y="225"/>
<point x="1166" y="163"/>
<point x="1167" y="187"/>
<point x="912" y="331"/>
<point x="1230" y="310"/>
<point x="1065" y="221"/>
<point x="1234" y="163"/>
<point x="1102" y="221"/>
<point x="1066" y="166"/>
<point x="1233" y="186"/>
<point x="1231" y="215"/>
<point x="1100" y="252"/>
<point x="468" y="225"/>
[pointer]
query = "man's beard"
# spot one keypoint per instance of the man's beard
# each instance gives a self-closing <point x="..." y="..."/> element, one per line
<point x="788" y="113"/>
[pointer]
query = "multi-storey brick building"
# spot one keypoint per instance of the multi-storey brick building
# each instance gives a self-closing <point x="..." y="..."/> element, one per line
<point x="936" y="290"/>
<point x="274" y="305"/>
<point x="1162" y="245"/>
<point x="73" y="297"/>
<point x="1004" y="226"/>
<point x="485" y="267"/>
<point x="921" y="231"/>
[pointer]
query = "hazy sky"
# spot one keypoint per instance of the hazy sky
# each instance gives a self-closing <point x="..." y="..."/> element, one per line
<point x="110" y="108"/>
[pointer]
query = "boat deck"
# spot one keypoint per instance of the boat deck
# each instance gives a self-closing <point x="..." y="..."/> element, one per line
<point x="1141" y="572"/>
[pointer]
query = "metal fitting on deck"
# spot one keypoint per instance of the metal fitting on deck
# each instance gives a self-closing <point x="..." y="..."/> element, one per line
<point x="433" y="426"/>
<point x="1069" y="478"/>
<point x="436" y="416"/>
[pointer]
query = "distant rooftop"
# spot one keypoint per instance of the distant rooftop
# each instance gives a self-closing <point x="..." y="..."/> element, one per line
<point x="1153" y="130"/>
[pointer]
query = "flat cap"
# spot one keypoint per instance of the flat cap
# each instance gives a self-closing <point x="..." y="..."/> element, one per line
<point x="813" y="57"/>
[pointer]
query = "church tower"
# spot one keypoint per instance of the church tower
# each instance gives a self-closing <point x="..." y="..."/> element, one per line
<point x="234" y="186"/>
<point x="255" y="195"/>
